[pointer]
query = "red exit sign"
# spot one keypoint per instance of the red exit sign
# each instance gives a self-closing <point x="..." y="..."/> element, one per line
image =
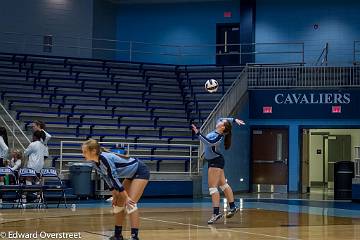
<point x="267" y="109"/>
<point x="336" y="109"/>
<point x="227" y="14"/>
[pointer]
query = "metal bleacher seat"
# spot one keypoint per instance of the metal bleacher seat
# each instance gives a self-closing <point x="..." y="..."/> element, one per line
<point x="81" y="98"/>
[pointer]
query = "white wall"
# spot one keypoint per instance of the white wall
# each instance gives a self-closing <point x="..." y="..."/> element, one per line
<point x="316" y="160"/>
<point x="316" y="142"/>
<point x="355" y="136"/>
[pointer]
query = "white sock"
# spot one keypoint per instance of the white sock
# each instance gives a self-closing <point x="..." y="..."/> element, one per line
<point x="28" y="182"/>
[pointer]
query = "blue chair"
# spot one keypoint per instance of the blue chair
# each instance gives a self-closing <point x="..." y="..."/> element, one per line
<point x="13" y="187"/>
<point x="35" y="187"/>
<point x="52" y="184"/>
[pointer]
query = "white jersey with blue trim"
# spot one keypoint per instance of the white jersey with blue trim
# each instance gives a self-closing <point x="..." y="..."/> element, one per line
<point x="213" y="142"/>
<point x="112" y="167"/>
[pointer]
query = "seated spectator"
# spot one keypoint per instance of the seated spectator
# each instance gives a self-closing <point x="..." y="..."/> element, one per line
<point x="15" y="162"/>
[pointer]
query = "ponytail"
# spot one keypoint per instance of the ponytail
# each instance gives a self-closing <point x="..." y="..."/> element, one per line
<point x="227" y="142"/>
<point x="227" y="133"/>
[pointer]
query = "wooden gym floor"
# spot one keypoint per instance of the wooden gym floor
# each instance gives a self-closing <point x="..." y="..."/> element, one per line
<point x="184" y="223"/>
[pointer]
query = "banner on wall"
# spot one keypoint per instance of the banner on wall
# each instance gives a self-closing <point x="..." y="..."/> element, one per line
<point x="304" y="104"/>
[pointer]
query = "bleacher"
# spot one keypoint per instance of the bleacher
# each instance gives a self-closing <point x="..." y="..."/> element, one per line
<point x="112" y="101"/>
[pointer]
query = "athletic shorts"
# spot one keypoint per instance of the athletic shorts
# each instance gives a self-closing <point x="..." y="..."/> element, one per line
<point x="217" y="162"/>
<point x="142" y="172"/>
<point x="2" y="162"/>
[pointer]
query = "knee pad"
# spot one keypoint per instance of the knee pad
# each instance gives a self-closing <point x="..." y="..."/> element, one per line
<point x="117" y="209"/>
<point x="213" y="190"/>
<point x="130" y="210"/>
<point x="225" y="186"/>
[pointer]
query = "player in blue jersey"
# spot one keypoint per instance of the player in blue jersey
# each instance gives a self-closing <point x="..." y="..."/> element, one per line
<point x="213" y="142"/>
<point x="112" y="167"/>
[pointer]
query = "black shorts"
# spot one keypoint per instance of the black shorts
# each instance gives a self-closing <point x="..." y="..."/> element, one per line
<point x="217" y="162"/>
<point x="142" y="172"/>
<point x="2" y="162"/>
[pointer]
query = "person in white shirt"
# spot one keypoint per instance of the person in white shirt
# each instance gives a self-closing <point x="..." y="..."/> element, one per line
<point x="3" y="146"/>
<point x="36" y="151"/>
<point x="38" y="125"/>
<point x="3" y="153"/>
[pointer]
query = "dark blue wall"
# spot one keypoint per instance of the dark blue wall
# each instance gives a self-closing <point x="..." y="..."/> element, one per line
<point x="305" y="104"/>
<point x="296" y="116"/>
<point x="247" y="29"/>
<point x="104" y="27"/>
<point x="66" y="20"/>
<point x="294" y="143"/>
<point x="183" y="24"/>
<point x="293" y="21"/>
<point x="174" y="24"/>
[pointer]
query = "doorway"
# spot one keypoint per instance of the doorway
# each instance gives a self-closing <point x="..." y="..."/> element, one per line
<point x="270" y="153"/>
<point x="321" y="149"/>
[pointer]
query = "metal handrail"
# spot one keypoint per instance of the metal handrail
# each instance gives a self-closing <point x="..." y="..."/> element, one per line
<point x="226" y="105"/>
<point x="303" y="77"/>
<point x="138" y="145"/>
<point x="132" y="48"/>
<point x="357" y="168"/>
<point x="357" y="161"/>
<point x="149" y="43"/>
<point x="68" y="46"/>
<point x="323" y="58"/>
<point x="12" y="131"/>
<point x="64" y="36"/>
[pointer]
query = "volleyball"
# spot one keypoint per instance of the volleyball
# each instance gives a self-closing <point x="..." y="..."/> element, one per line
<point x="211" y="85"/>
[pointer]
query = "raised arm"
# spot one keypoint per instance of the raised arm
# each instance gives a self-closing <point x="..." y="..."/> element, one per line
<point x="233" y="120"/>
<point x="211" y="140"/>
<point x="47" y="137"/>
